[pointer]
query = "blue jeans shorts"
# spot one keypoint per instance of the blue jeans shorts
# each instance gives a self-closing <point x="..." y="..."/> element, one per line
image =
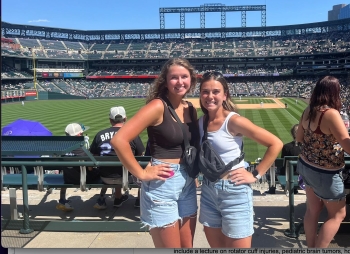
<point x="327" y="185"/>
<point x="227" y="206"/>
<point x="165" y="202"/>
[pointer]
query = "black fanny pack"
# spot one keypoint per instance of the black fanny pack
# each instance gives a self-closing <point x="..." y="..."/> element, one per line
<point x="209" y="162"/>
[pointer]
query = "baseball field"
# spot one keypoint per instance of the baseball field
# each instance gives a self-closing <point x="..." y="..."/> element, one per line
<point x="268" y="113"/>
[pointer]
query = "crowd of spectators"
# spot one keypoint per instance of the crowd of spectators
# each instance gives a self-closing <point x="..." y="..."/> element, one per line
<point x="16" y="86"/>
<point x="312" y="43"/>
<point x="284" y="86"/>
<point x="234" y="70"/>
<point x="152" y="70"/>
<point x="9" y="72"/>
<point x="254" y="79"/>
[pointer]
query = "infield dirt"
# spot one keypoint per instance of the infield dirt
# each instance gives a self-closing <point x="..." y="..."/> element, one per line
<point x="277" y="104"/>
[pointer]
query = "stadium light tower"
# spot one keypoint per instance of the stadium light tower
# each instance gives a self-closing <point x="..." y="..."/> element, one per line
<point x="215" y="7"/>
<point x="34" y="78"/>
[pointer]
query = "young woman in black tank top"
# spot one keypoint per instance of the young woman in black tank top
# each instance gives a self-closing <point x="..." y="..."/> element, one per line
<point x="168" y="196"/>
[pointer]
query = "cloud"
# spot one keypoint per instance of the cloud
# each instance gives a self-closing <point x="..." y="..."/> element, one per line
<point x="38" y="21"/>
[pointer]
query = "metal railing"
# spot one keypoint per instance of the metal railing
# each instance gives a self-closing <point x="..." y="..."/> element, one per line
<point x="294" y="229"/>
<point x="22" y="164"/>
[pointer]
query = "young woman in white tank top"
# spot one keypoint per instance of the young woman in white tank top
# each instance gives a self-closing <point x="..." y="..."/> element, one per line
<point x="226" y="205"/>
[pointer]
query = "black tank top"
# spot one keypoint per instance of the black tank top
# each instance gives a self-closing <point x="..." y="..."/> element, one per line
<point x="166" y="139"/>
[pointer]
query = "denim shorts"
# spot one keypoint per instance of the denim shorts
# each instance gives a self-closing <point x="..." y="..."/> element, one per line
<point x="326" y="184"/>
<point x="165" y="202"/>
<point x="227" y="206"/>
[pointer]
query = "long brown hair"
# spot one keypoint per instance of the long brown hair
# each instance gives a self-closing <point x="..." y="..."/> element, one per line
<point x="326" y="92"/>
<point x="214" y="75"/>
<point x="159" y="88"/>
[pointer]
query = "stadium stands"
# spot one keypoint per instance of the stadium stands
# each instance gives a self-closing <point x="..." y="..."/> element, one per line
<point x="70" y="45"/>
<point x="28" y="43"/>
<point x="52" y="44"/>
<point x="333" y="42"/>
<point x="257" y="66"/>
<point x="8" y="72"/>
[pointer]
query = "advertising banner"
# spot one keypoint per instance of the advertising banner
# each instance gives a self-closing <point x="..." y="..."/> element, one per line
<point x="52" y="75"/>
<point x="30" y="93"/>
<point x="124" y="77"/>
<point x="61" y="75"/>
<point x="73" y="75"/>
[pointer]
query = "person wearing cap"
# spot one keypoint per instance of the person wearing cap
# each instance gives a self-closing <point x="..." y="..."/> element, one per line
<point x="71" y="175"/>
<point x="100" y="146"/>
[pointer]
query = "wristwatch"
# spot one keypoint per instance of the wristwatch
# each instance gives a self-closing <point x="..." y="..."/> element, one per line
<point x="256" y="174"/>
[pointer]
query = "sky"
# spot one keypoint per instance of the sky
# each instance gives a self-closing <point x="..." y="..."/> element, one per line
<point x="144" y="14"/>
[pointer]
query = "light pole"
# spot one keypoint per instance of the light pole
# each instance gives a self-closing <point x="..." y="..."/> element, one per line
<point x="34" y="79"/>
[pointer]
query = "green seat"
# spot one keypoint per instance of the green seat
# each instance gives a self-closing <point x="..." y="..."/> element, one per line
<point x="55" y="181"/>
<point x="15" y="180"/>
<point x="282" y="180"/>
<point x="279" y="162"/>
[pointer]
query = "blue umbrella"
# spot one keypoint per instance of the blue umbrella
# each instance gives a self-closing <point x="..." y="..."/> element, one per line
<point x="22" y="127"/>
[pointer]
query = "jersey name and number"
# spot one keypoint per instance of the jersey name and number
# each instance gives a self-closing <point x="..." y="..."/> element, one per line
<point x="107" y="136"/>
<point x="106" y="148"/>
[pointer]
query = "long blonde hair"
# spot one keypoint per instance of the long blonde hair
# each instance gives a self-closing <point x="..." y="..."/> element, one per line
<point x="159" y="88"/>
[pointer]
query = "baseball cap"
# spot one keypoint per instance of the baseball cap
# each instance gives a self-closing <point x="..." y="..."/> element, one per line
<point x="74" y="129"/>
<point x="115" y="111"/>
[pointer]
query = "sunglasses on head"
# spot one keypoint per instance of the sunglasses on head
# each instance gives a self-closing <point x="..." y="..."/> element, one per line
<point x="214" y="74"/>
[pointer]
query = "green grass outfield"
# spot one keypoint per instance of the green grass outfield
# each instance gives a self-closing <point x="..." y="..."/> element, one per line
<point x="56" y="114"/>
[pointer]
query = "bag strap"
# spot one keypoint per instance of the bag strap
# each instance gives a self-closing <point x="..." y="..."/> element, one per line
<point x="205" y="136"/>
<point x="172" y="111"/>
<point x="205" y="127"/>
<point x="191" y="110"/>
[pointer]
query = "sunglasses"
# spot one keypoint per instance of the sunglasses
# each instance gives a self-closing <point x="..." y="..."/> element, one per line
<point x="214" y="74"/>
<point x="82" y="126"/>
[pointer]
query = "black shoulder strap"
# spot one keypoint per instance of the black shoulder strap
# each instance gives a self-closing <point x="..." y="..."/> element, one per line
<point x="205" y="127"/>
<point x="308" y="126"/>
<point x="172" y="111"/>
<point x="190" y="105"/>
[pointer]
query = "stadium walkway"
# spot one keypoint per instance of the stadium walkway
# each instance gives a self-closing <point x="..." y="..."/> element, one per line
<point x="271" y="220"/>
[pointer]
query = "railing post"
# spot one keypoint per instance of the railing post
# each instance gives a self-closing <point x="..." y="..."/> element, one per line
<point x="25" y="229"/>
<point x="82" y="178"/>
<point x="273" y="175"/>
<point x="125" y="181"/>
<point x="40" y="174"/>
<point x="13" y="204"/>
<point x="3" y="172"/>
<point x="290" y="172"/>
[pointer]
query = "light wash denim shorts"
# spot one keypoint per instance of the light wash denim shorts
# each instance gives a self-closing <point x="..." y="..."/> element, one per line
<point x="227" y="206"/>
<point x="165" y="202"/>
<point x="327" y="185"/>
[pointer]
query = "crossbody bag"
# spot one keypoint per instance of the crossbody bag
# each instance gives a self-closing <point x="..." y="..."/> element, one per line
<point x="209" y="162"/>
